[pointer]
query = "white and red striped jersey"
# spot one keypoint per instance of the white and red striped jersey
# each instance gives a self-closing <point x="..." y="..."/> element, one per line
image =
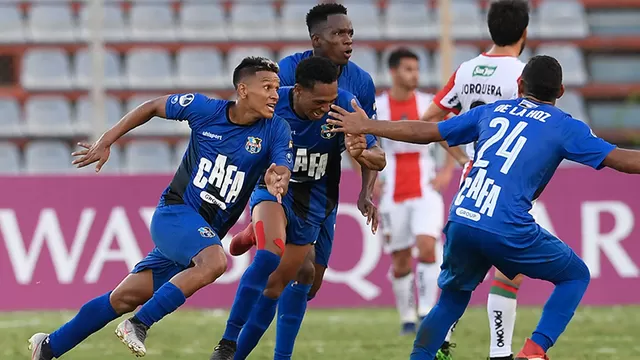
<point x="481" y="80"/>
<point x="410" y="167"/>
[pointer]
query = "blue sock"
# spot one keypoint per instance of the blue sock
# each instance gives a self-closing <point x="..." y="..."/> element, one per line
<point x="92" y="317"/>
<point x="165" y="301"/>
<point x="571" y="284"/>
<point x="252" y="283"/>
<point x="291" y="308"/>
<point x="436" y="324"/>
<point x="261" y="317"/>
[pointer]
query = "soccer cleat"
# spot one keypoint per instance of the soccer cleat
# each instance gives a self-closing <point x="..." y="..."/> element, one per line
<point x="444" y="353"/>
<point x="133" y="335"/>
<point x="39" y="346"/>
<point x="225" y="350"/>
<point x="531" y="351"/>
<point x="242" y="241"/>
<point x="408" y="328"/>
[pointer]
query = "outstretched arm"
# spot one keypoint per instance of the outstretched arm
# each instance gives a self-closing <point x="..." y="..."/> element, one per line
<point x="436" y="114"/>
<point x="623" y="160"/>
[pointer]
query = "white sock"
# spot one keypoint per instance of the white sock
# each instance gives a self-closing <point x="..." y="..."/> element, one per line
<point x="427" y="287"/>
<point x="502" y="320"/>
<point x="450" y="332"/>
<point x="405" y="302"/>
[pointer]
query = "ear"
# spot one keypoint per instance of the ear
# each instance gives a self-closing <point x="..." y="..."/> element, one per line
<point x="242" y="91"/>
<point x="561" y="92"/>
<point x="521" y="88"/>
<point x="315" y="40"/>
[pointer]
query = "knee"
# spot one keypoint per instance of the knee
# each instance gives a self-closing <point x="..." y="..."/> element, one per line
<point x="426" y="249"/>
<point x="582" y="271"/>
<point x="210" y="269"/>
<point x="401" y="261"/>
<point x="306" y="273"/>
<point x="125" y="301"/>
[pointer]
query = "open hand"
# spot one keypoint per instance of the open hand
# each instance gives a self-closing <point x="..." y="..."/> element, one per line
<point x="97" y="152"/>
<point x="277" y="180"/>
<point x="348" y="122"/>
<point x="370" y="211"/>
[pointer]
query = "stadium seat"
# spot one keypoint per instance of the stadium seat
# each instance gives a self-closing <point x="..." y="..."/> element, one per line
<point x="44" y="69"/>
<point x="367" y="58"/>
<point x="9" y="159"/>
<point x="467" y="21"/>
<point x="113" y="27"/>
<point x="562" y="19"/>
<point x="85" y="120"/>
<point x="10" y="124"/>
<point x="291" y="49"/>
<point x="83" y="69"/>
<point x="11" y="25"/>
<point x="236" y="54"/>
<point x="48" y="116"/>
<point x="148" y="69"/>
<point x="51" y="23"/>
<point x="152" y="22"/>
<point x="253" y="21"/>
<point x="365" y="18"/>
<point x="618" y="68"/>
<point x="409" y="21"/>
<point x="47" y="157"/>
<point x="573" y="103"/>
<point x="148" y="156"/>
<point x="292" y="24"/>
<point x="199" y="21"/>
<point x="156" y="126"/>
<point x="424" y="59"/>
<point x="200" y="68"/>
<point x="614" y="115"/>
<point x="461" y="54"/>
<point x="572" y="62"/>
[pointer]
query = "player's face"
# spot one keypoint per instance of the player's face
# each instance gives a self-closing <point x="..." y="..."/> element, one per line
<point x="262" y="93"/>
<point x="406" y="74"/>
<point x="316" y="102"/>
<point x="336" y="39"/>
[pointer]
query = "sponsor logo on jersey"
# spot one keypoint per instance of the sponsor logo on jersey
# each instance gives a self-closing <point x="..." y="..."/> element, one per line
<point x="484" y="70"/>
<point x="324" y="131"/>
<point x="186" y="99"/>
<point x="174" y="99"/>
<point x="253" y="145"/>
<point x="206" y="232"/>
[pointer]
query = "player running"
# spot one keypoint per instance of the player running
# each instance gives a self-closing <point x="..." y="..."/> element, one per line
<point x="411" y="207"/>
<point x="231" y="146"/>
<point x="490" y="77"/>
<point x="306" y="219"/>
<point x="519" y="144"/>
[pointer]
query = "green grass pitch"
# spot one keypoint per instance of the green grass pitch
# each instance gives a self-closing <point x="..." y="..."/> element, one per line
<point x="353" y="334"/>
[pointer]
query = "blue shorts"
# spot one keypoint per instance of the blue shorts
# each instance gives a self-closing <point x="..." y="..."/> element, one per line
<point x="470" y="252"/>
<point x="179" y="233"/>
<point x="299" y="231"/>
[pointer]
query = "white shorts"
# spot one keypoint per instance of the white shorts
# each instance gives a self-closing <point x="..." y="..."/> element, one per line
<point x="402" y="222"/>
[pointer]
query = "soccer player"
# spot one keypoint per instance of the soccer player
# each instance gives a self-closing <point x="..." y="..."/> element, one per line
<point x="231" y="146"/>
<point x="519" y="145"/>
<point x="487" y="78"/>
<point x="411" y="207"/>
<point x="306" y="218"/>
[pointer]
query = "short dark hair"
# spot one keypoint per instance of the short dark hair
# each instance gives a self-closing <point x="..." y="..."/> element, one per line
<point x="321" y="12"/>
<point x="542" y="77"/>
<point x="316" y="69"/>
<point x="507" y="20"/>
<point x="397" y="55"/>
<point x="251" y="65"/>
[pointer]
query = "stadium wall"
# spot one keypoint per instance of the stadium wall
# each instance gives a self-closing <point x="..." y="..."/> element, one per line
<point x="66" y="239"/>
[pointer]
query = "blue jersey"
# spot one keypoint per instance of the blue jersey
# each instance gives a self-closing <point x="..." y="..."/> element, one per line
<point x="223" y="161"/>
<point x="315" y="178"/>
<point x="520" y="144"/>
<point x="352" y="79"/>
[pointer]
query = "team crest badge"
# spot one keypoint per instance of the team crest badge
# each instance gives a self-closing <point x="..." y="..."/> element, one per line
<point x="253" y="145"/>
<point x="324" y="132"/>
<point x="206" y="232"/>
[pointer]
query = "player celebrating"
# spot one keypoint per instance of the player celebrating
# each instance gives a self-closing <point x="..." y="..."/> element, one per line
<point x="520" y="144"/>
<point x="307" y="215"/>
<point x="490" y="77"/>
<point x="411" y="206"/>
<point x="205" y="198"/>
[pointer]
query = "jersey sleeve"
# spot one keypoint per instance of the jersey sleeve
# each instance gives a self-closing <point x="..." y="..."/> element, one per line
<point x="193" y="108"/>
<point x="447" y="98"/>
<point x="461" y="129"/>
<point x="581" y="145"/>
<point x="371" y="141"/>
<point x="281" y="149"/>
<point x="287" y="71"/>
<point x="367" y="97"/>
